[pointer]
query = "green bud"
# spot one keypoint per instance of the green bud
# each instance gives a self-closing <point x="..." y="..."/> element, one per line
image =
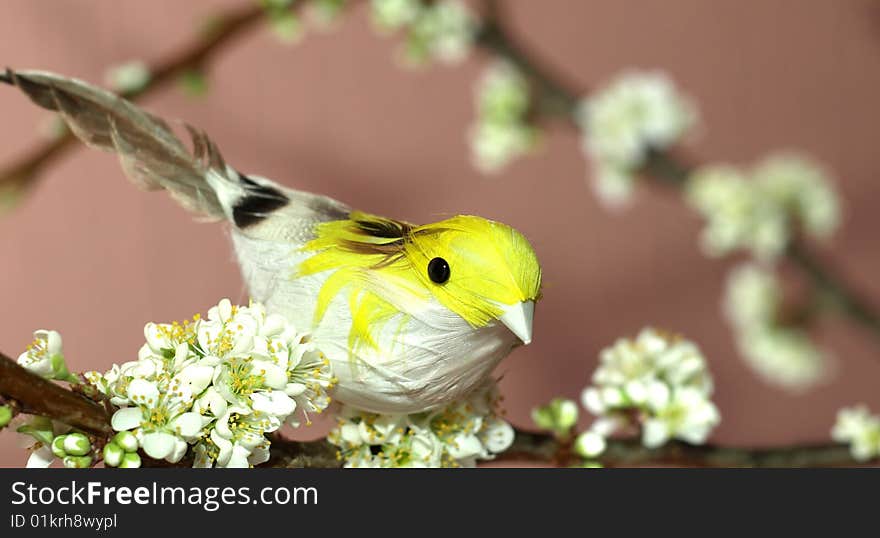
<point x="5" y="415"/>
<point x="589" y="444"/>
<point x="194" y="83"/>
<point x="559" y="416"/>
<point x="130" y="461"/>
<point x="40" y="428"/>
<point x="113" y="454"/>
<point x="58" y="446"/>
<point x="286" y="26"/>
<point x="126" y="441"/>
<point x="78" y="462"/>
<point x="77" y="444"/>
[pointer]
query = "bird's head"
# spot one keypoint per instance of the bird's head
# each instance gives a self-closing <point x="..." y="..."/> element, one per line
<point x="479" y="269"/>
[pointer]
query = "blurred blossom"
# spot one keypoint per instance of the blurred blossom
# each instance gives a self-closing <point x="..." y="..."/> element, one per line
<point x="759" y="211"/>
<point x="780" y="354"/>
<point x="502" y="130"/>
<point x="442" y="30"/>
<point x="802" y="187"/>
<point x="130" y="77"/>
<point x="638" y="112"/>
<point x="395" y="14"/>
<point x="325" y="12"/>
<point x="659" y="379"/>
<point x="753" y="297"/>
<point x="860" y="429"/>
<point x="454" y="436"/>
<point x="559" y="416"/>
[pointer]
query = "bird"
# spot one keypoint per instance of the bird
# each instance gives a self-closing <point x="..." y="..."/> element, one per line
<point x="411" y="317"/>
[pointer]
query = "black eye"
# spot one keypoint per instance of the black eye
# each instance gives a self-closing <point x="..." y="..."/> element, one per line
<point x="438" y="270"/>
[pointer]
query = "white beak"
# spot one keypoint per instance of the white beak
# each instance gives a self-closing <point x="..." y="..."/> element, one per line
<point x="518" y="318"/>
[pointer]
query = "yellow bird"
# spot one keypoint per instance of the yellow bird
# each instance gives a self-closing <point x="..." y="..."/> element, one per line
<point x="411" y="317"/>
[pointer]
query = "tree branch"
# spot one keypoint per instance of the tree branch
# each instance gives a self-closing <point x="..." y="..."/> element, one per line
<point x="542" y="447"/>
<point x="37" y="396"/>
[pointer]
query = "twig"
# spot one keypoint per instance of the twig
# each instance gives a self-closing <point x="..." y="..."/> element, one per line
<point x="545" y="448"/>
<point x="531" y="446"/>
<point x="37" y="396"/>
<point x="222" y="31"/>
<point x="558" y="100"/>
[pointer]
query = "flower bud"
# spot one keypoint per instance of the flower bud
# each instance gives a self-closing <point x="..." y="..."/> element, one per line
<point x="558" y="416"/>
<point x="113" y="454"/>
<point x="78" y="462"/>
<point x="589" y="444"/>
<point x="126" y="441"/>
<point x="58" y="446"/>
<point x="77" y="444"/>
<point x="130" y="461"/>
<point x="5" y="415"/>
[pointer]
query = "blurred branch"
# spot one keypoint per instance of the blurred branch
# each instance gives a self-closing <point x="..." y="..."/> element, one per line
<point x="558" y="99"/>
<point x="545" y="448"/>
<point x="220" y="32"/>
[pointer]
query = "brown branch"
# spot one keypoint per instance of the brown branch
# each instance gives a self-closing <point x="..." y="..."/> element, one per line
<point x="37" y="396"/>
<point x="542" y="447"/>
<point x="222" y="30"/>
<point x="545" y="448"/>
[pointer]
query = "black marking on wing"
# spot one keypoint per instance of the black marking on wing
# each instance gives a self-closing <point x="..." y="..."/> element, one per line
<point x="257" y="203"/>
<point x="385" y="228"/>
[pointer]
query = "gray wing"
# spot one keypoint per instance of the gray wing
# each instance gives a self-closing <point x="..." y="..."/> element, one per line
<point x="153" y="157"/>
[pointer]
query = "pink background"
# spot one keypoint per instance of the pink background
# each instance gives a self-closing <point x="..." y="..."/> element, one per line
<point x="91" y="256"/>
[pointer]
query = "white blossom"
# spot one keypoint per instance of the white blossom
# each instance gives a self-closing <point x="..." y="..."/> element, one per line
<point x="858" y="427"/>
<point x="502" y="130"/>
<point x="215" y="385"/>
<point x="658" y="378"/>
<point x="454" y="436"/>
<point x="757" y="210"/>
<point x="784" y="356"/>
<point x="780" y="354"/>
<point x="635" y="114"/>
<point x="45" y="357"/>
<point x="442" y="30"/>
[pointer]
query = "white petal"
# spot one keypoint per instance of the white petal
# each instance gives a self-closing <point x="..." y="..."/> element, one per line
<point x="40" y="458"/>
<point x="188" y="425"/>
<point x="654" y="433"/>
<point x="178" y="452"/>
<point x="274" y="403"/>
<point x="224" y="309"/>
<point x="159" y="445"/>
<point x="53" y="343"/>
<point x="239" y="458"/>
<point x="197" y="376"/>
<point x="498" y="436"/>
<point x="143" y="392"/>
<point x="465" y="446"/>
<point x="127" y="418"/>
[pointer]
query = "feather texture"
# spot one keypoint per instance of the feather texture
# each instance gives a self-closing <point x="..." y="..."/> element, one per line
<point x="152" y="156"/>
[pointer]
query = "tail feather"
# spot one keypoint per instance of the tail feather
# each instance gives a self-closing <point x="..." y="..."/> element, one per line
<point x="152" y="156"/>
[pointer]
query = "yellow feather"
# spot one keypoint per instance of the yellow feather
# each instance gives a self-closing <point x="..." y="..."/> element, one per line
<point x="378" y="261"/>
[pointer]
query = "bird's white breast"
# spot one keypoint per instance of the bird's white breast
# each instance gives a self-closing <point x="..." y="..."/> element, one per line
<point x="425" y="357"/>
